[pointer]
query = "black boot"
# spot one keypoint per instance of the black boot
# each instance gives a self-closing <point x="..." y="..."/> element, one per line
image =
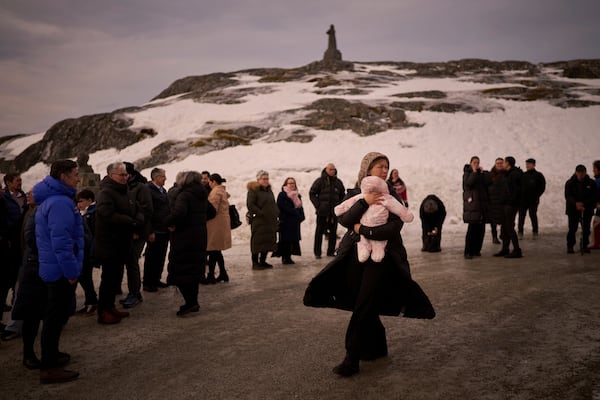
<point x="347" y="368"/>
<point x="223" y="277"/>
<point x="203" y="280"/>
<point x="255" y="264"/>
<point x="263" y="261"/>
<point x="210" y="278"/>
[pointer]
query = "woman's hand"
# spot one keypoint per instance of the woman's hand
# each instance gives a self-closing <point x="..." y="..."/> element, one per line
<point x="356" y="228"/>
<point x="373" y="198"/>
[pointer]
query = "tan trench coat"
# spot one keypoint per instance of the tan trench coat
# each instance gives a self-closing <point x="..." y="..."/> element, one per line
<point x="219" y="228"/>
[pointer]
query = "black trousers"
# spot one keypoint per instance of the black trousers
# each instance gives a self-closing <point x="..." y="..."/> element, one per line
<point x="574" y="218"/>
<point x="365" y="335"/>
<point x="215" y="257"/>
<point x="509" y="234"/>
<point x="29" y="332"/>
<point x="156" y="253"/>
<point x="110" y="282"/>
<point x="532" y="209"/>
<point x="474" y="238"/>
<point x="189" y="293"/>
<point x="58" y="310"/>
<point x="87" y="283"/>
<point x="329" y="225"/>
<point x="134" y="277"/>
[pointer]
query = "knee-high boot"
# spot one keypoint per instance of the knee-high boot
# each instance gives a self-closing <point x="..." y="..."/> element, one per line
<point x="210" y="278"/>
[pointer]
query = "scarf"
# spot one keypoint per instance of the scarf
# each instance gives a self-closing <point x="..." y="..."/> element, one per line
<point x="294" y="196"/>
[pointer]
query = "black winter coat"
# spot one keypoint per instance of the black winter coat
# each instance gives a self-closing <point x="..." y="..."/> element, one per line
<point x="116" y="220"/>
<point x="325" y="193"/>
<point x="432" y="220"/>
<point x="31" y="299"/>
<point x="498" y="195"/>
<point x="188" y="242"/>
<point x="533" y="185"/>
<point x="514" y="182"/>
<point x="475" y="195"/>
<point x="290" y="218"/>
<point x="160" y="209"/>
<point x="140" y="194"/>
<point x="263" y="208"/>
<point x="580" y="191"/>
<point x="337" y="285"/>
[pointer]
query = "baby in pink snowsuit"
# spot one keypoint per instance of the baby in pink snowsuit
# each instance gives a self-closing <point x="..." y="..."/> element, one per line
<point x="376" y="214"/>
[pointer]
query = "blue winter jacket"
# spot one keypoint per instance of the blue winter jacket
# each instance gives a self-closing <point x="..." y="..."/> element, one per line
<point x="58" y="231"/>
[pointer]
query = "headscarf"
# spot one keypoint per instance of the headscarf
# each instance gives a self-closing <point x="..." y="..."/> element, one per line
<point x="367" y="162"/>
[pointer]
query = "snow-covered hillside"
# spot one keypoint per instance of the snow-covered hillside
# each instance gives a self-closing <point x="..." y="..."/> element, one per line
<point x="430" y="157"/>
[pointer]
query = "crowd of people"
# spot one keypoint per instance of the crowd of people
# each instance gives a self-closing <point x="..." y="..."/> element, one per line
<point x="53" y="237"/>
<point x="497" y="196"/>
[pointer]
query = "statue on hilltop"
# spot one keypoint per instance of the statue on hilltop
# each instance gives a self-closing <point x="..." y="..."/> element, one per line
<point x="332" y="54"/>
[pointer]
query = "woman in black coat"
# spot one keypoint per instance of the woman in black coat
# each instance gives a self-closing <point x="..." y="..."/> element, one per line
<point x="291" y="215"/>
<point x="187" y="223"/>
<point x="368" y="289"/>
<point x="433" y="214"/>
<point x="475" y="206"/>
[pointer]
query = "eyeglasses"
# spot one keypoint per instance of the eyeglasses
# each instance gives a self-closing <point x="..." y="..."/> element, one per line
<point x="121" y="175"/>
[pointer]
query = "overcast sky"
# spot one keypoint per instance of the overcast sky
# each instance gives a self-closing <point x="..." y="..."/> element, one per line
<point x="66" y="58"/>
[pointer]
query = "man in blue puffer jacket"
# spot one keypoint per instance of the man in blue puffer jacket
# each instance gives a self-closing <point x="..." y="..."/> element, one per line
<point x="60" y="242"/>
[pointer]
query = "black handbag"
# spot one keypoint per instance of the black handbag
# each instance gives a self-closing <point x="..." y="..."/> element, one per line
<point x="234" y="217"/>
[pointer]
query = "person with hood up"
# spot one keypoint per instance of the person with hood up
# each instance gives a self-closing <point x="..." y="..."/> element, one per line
<point x="263" y="214"/>
<point x="60" y="242"/>
<point x="368" y="289"/>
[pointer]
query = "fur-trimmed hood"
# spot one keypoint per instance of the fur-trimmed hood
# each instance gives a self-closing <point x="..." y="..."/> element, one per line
<point x="255" y="186"/>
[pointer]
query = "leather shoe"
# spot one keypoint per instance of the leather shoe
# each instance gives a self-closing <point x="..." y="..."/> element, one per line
<point x="162" y="285"/>
<point x="501" y="253"/>
<point x="515" y="254"/>
<point x="57" y="375"/>
<point x="107" y="318"/>
<point x="32" y="362"/>
<point x="117" y="313"/>
<point x="186" y="309"/>
<point x="347" y="368"/>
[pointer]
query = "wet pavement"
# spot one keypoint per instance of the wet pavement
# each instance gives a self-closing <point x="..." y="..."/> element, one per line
<point x="505" y="329"/>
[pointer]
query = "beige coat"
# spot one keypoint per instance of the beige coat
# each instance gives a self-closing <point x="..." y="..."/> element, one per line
<point x="219" y="228"/>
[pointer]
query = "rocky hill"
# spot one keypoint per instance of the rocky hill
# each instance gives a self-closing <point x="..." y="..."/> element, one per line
<point x="342" y="103"/>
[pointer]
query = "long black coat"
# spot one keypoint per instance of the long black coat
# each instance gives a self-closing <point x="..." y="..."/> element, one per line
<point x="116" y="220"/>
<point x="475" y="195"/>
<point x="290" y="218"/>
<point x="337" y="285"/>
<point x="188" y="242"/>
<point x="498" y="194"/>
<point x="32" y="296"/>
<point x="263" y="208"/>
